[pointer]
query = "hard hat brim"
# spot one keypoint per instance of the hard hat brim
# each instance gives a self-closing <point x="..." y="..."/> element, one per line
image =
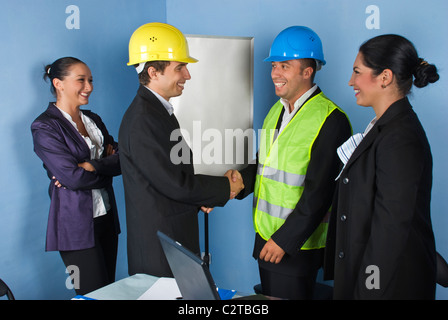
<point x="183" y="60"/>
<point x="282" y="58"/>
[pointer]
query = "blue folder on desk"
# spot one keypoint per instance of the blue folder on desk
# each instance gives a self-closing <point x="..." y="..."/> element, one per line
<point x="191" y="273"/>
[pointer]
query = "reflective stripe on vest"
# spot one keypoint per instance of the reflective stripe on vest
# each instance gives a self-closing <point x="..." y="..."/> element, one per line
<point x="282" y="167"/>
<point x="291" y="179"/>
<point x="274" y="210"/>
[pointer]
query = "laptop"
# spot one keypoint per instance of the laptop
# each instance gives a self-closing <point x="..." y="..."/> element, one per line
<point x="192" y="275"/>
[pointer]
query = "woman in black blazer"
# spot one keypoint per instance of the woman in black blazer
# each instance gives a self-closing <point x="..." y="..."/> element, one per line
<point x="380" y="243"/>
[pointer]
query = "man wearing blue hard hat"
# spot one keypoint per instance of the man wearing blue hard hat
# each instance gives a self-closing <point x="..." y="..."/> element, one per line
<point x="294" y="177"/>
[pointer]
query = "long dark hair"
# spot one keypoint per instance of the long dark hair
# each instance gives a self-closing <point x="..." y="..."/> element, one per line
<point x="59" y="70"/>
<point x="398" y="54"/>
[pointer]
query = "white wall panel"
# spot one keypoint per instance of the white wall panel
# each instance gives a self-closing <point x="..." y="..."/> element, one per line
<point x="215" y="110"/>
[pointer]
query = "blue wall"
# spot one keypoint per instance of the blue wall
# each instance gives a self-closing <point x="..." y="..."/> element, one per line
<point x="34" y="33"/>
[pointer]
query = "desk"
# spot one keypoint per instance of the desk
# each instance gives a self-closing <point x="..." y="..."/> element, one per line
<point x="130" y="288"/>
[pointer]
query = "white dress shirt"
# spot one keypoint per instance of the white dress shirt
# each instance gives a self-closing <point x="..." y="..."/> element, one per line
<point x="95" y="142"/>
<point x="287" y="116"/>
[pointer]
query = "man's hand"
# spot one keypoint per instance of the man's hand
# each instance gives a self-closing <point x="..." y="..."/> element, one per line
<point x="236" y="182"/>
<point x="236" y="185"/>
<point x="206" y="209"/>
<point x="271" y="252"/>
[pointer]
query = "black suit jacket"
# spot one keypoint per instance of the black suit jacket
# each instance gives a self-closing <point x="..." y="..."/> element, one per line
<point x="383" y="213"/>
<point x="159" y="194"/>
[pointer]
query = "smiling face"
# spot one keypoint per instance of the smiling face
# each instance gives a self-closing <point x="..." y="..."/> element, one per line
<point x="290" y="79"/>
<point x="367" y="86"/>
<point x="169" y="83"/>
<point x="76" y="87"/>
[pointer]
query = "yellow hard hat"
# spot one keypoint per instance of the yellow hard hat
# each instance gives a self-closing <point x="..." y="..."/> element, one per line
<point x="158" y="42"/>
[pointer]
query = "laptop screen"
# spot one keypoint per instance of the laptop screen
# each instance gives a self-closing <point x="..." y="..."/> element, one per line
<point x="192" y="275"/>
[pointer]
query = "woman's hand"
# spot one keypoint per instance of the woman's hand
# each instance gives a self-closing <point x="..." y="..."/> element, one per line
<point x="56" y="182"/>
<point x="109" y="150"/>
<point x="86" y="166"/>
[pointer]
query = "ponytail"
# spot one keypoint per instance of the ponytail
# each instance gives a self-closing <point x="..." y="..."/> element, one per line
<point x="424" y="74"/>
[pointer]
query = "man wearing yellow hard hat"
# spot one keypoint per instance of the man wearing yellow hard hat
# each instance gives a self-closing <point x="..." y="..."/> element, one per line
<point x="159" y="194"/>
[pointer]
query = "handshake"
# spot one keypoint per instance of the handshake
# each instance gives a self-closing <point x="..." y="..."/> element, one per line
<point x="236" y="185"/>
<point x="236" y="182"/>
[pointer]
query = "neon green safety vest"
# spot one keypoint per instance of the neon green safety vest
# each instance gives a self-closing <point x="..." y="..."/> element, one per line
<point x="283" y="164"/>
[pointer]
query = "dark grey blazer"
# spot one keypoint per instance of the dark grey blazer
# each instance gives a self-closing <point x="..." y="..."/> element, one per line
<point x="159" y="194"/>
<point x="382" y="214"/>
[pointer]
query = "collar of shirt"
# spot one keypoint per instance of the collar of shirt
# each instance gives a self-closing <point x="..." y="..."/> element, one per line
<point x="168" y="106"/>
<point x="299" y="101"/>
<point x="287" y="116"/>
<point x="67" y="116"/>
<point x="346" y="150"/>
<point x="94" y="140"/>
<point x="370" y="126"/>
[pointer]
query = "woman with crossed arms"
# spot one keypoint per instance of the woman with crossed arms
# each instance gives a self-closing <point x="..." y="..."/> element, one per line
<point x="80" y="158"/>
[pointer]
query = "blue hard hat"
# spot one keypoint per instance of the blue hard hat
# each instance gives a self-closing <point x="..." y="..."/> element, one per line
<point x="296" y="42"/>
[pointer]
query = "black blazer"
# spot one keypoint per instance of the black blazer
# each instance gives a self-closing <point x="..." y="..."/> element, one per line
<point x="159" y="194"/>
<point x="382" y="214"/>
